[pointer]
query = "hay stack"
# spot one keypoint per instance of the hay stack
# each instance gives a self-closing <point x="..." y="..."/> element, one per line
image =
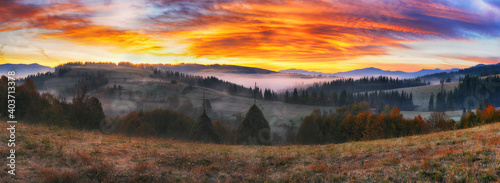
<point x="204" y="131"/>
<point x="254" y="129"/>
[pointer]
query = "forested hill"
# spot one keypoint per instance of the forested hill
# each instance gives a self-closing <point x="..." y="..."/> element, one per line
<point x="92" y="76"/>
<point x="472" y="92"/>
<point x="454" y="76"/>
<point x="343" y="92"/>
<point x="366" y="84"/>
<point x="198" y="68"/>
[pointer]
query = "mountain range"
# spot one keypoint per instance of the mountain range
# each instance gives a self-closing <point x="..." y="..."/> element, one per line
<point x="23" y="70"/>
<point x="371" y="71"/>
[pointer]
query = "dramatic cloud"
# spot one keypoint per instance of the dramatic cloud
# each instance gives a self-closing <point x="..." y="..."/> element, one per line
<point x="320" y="34"/>
<point x="73" y="22"/>
<point x="315" y="30"/>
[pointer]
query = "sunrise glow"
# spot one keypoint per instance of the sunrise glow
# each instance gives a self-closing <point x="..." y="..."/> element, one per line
<point x="317" y="35"/>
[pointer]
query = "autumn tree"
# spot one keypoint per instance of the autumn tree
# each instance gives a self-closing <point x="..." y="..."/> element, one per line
<point x="440" y="121"/>
<point x="309" y="132"/>
<point x="227" y="136"/>
<point x="85" y="111"/>
<point x="132" y="125"/>
<point x="28" y="105"/>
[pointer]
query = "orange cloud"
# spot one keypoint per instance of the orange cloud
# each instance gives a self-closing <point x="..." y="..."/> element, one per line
<point x="72" y="22"/>
<point x="307" y="31"/>
<point x="283" y="33"/>
<point x="125" y="41"/>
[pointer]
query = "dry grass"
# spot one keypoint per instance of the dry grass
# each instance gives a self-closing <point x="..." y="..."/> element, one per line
<point x="64" y="155"/>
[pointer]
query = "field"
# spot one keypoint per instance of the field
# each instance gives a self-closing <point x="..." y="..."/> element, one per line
<point x="49" y="154"/>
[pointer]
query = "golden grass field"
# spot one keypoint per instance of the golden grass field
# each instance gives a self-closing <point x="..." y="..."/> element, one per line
<point x="49" y="154"/>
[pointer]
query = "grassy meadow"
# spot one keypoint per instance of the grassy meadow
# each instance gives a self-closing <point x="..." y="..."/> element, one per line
<point x="51" y="154"/>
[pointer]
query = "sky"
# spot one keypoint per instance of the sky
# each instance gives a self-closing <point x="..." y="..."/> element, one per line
<point x="316" y="35"/>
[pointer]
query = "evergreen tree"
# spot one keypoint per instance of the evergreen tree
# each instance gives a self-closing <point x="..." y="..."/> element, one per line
<point x="342" y="98"/>
<point x="295" y="96"/>
<point x="431" y="102"/>
<point x="335" y="98"/>
<point x="441" y="101"/>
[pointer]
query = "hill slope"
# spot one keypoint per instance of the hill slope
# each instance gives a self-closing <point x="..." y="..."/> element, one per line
<point x="51" y="155"/>
<point x="215" y="68"/>
<point x="142" y="92"/>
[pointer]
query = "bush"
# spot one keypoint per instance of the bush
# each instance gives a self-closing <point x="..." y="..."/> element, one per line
<point x="132" y="125"/>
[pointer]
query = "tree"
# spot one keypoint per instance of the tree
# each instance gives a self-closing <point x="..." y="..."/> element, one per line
<point x="28" y="100"/>
<point x="295" y="96"/>
<point x="85" y="111"/>
<point x="225" y="133"/>
<point x="53" y="114"/>
<point x="335" y="98"/>
<point x="449" y="101"/>
<point x="309" y="129"/>
<point x="347" y="127"/>
<point x="360" y="125"/>
<point x="440" y="121"/>
<point x="372" y="128"/>
<point x="287" y="97"/>
<point x="94" y="112"/>
<point x="342" y="98"/>
<point x="431" y="102"/>
<point x="488" y="115"/>
<point x="441" y="101"/>
<point x="132" y="125"/>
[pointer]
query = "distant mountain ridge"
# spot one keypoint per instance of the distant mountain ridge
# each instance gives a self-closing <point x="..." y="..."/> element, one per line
<point x="477" y="70"/>
<point x="23" y="70"/>
<point x="371" y="71"/>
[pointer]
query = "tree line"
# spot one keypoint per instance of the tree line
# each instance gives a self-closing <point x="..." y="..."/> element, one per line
<point x="472" y="92"/>
<point x="365" y="84"/>
<point x="82" y="112"/>
<point x="213" y="83"/>
<point x="376" y="99"/>
<point x="479" y="70"/>
<point x="355" y="122"/>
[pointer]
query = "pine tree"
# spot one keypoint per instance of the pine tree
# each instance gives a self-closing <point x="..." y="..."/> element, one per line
<point x="335" y="98"/>
<point x="295" y="96"/>
<point x="431" y="102"/>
